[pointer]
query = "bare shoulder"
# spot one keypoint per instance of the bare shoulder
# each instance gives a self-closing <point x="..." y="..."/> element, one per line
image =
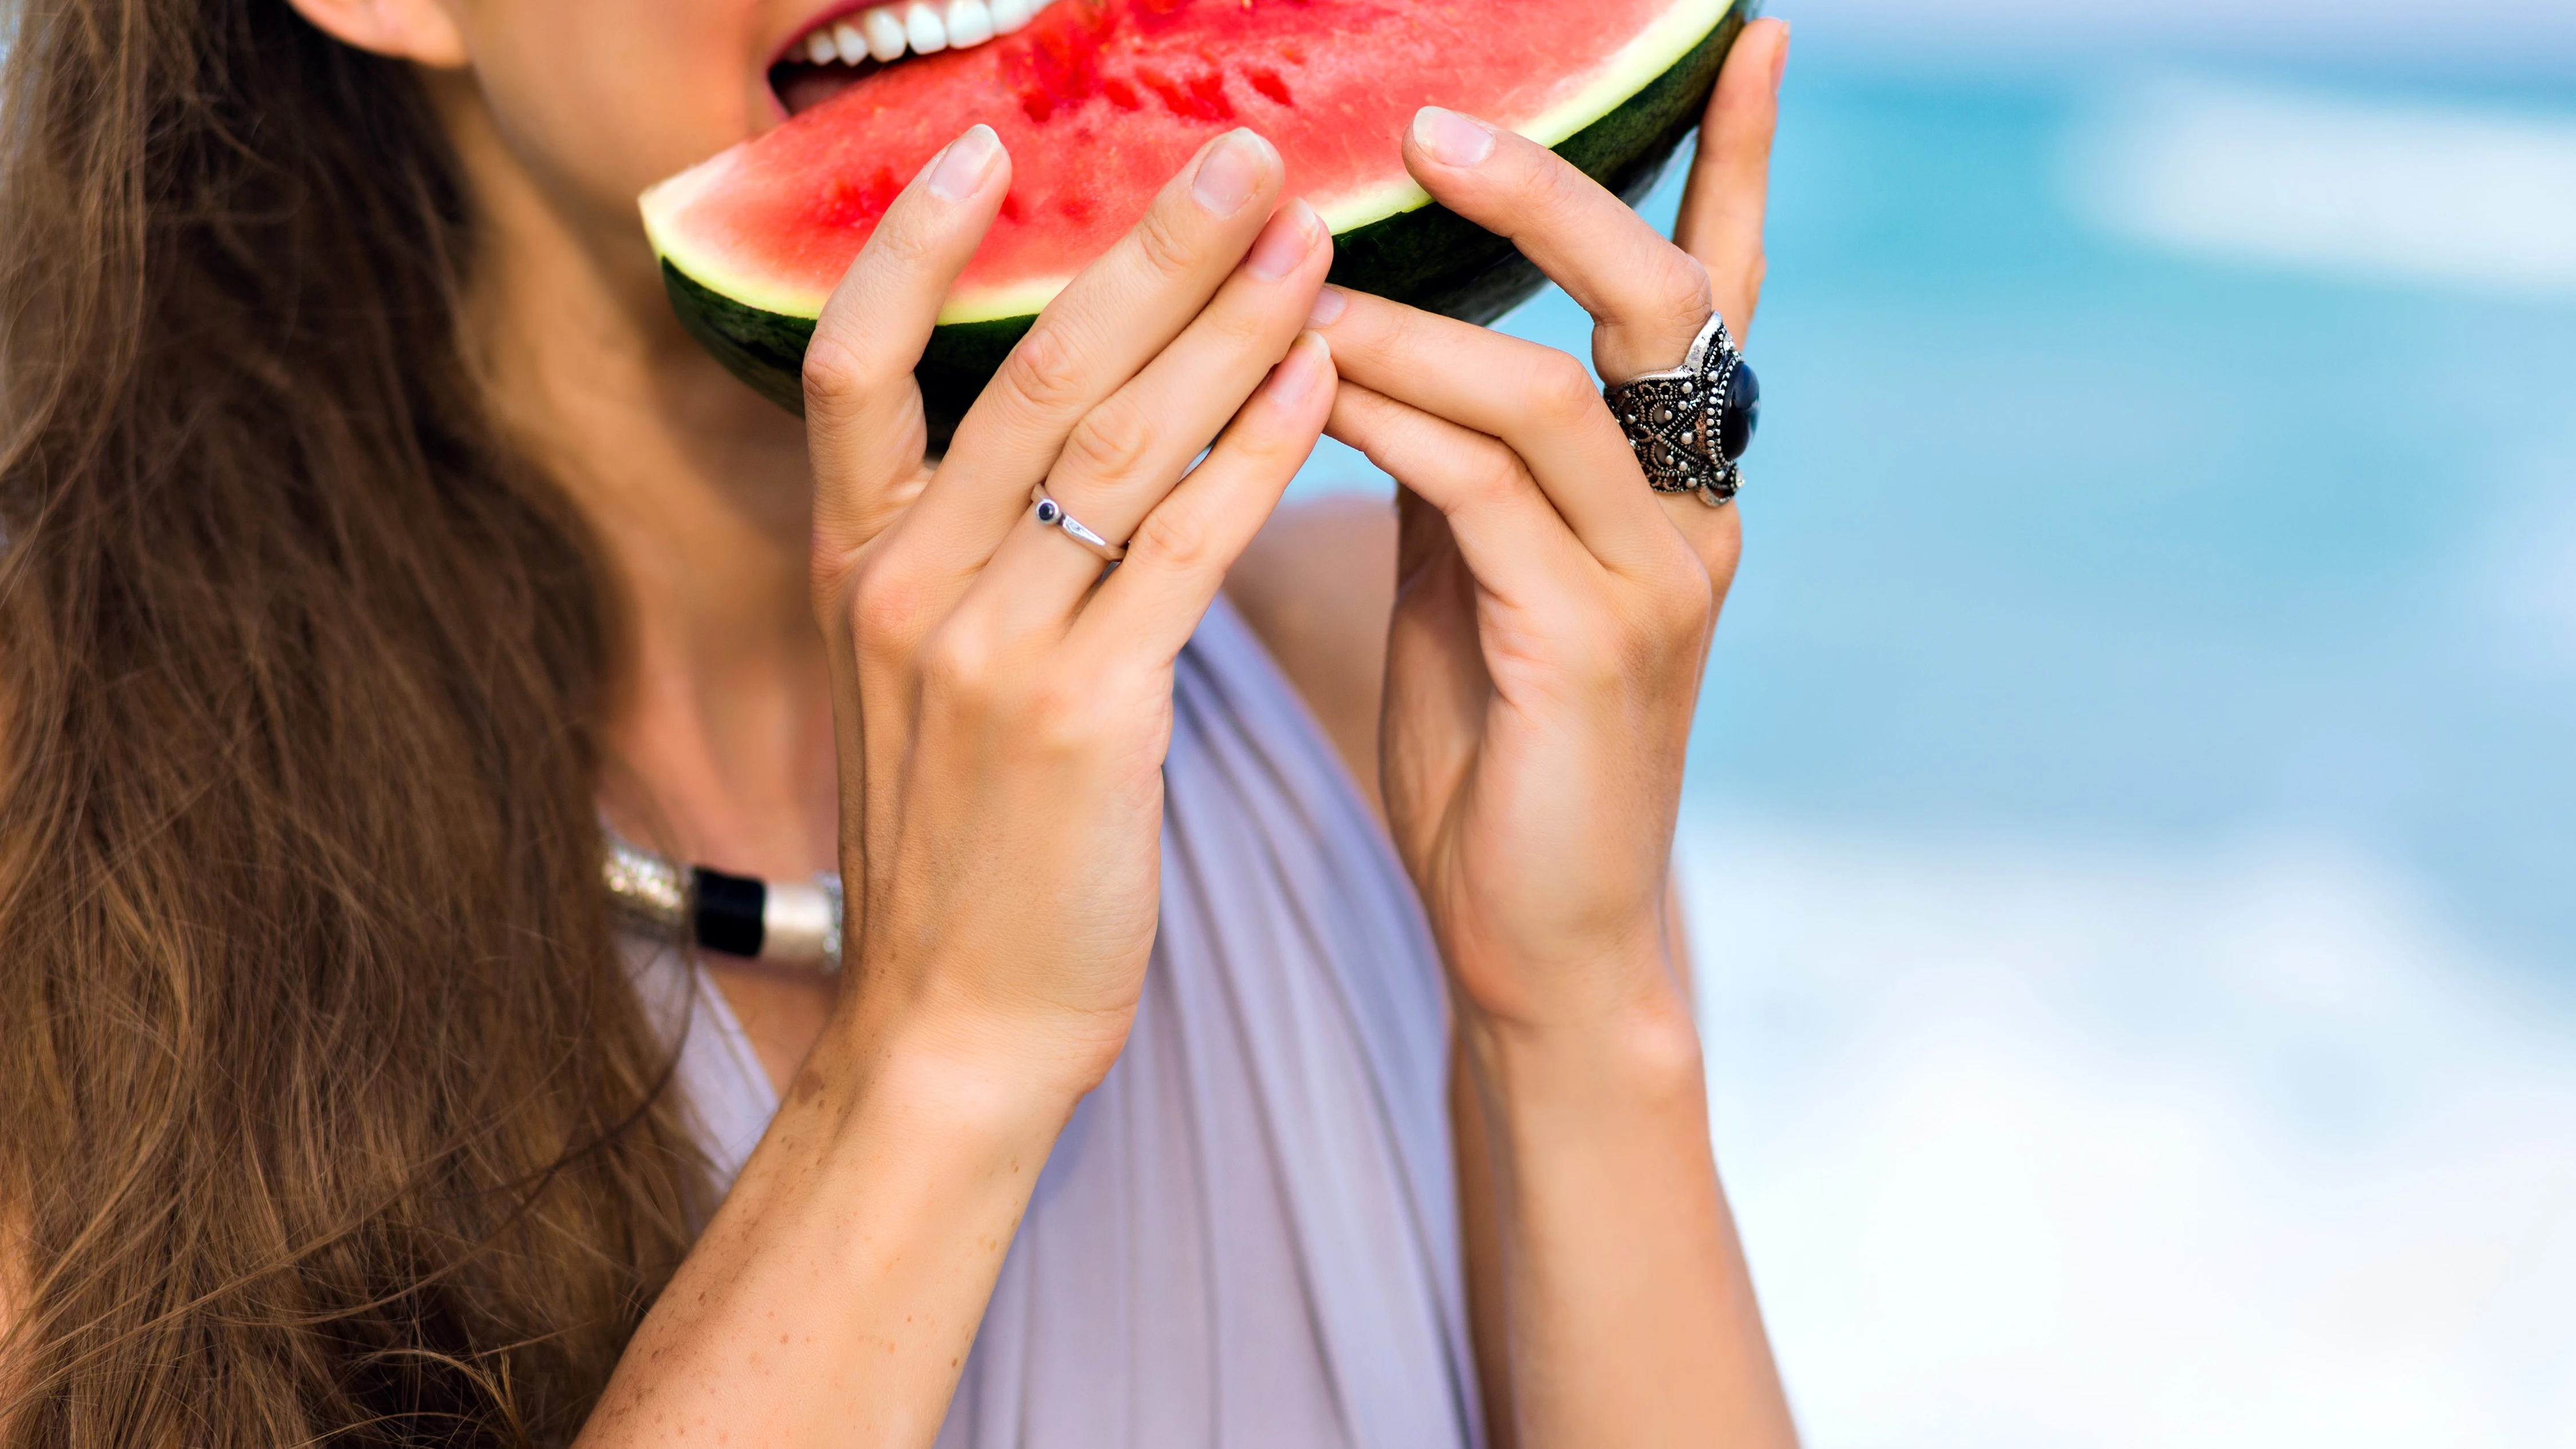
<point x="1317" y="587"/>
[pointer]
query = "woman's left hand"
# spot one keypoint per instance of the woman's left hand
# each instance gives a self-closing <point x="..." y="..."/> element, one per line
<point x="1552" y="618"/>
<point x="1553" y="613"/>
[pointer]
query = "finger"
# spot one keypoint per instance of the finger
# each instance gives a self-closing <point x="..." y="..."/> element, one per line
<point x="1715" y="536"/>
<point x="1494" y="518"/>
<point x="1150" y="606"/>
<point x="1437" y="687"/>
<point x="1730" y="178"/>
<point x="1649" y="296"/>
<point x="1126" y="454"/>
<point x="1536" y="399"/>
<point x="863" y="418"/>
<point x="1114" y="318"/>
<point x="1503" y="524"/>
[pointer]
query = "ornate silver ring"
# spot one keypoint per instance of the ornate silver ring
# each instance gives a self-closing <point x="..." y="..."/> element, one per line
<point x="1051" y="514"/>
<point x="1690" y="425"/>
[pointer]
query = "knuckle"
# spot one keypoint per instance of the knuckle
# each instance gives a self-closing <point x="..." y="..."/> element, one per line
<point x="1682" y="295"/>
<point x="1274" y="451"/>
<point x="887" y="612"/>
<point x="1555" y="185"/>
<point x="1239" y="326"/>
<point x="838" y="375"/>
<point x="1165" y="244"/>
<point x="1674" y="610"/>
<point x="1493" y="478"/>
<point x="1177" y="535"/>
<point x="902" y="244"/>
<point x="1112" y="444"/>
<point x="958" y="669"/>
<point x="1046" y="371"/>
<point x="1559" y="391"/>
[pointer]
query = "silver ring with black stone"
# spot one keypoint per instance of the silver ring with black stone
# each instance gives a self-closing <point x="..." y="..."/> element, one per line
<point x="1051" y="514"/>
<point x="1688" y="426"/>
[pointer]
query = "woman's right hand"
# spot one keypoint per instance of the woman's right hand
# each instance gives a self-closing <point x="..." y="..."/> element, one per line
<point x="1002" y="713"/>
<point x="1003" y="710"/>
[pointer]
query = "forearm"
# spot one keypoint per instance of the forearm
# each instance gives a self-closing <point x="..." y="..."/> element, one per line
<point x="1629" y="1316"/>
<point x="834" y="1297"/>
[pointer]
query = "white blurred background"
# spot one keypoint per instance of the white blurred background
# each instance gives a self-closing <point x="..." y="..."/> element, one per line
<point x="2132" y="839"/>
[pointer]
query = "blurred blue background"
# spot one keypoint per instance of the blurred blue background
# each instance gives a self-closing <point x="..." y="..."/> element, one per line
<point x="2132" y="841"/>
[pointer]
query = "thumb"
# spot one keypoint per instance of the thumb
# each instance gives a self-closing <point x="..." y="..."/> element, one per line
<point x="1730" y="179"/>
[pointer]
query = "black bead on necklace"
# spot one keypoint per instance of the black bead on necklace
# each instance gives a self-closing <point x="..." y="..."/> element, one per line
<point x="786" y="923"/>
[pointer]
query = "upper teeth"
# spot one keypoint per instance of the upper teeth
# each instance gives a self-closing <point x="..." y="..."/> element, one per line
<point x="886" y="32"/>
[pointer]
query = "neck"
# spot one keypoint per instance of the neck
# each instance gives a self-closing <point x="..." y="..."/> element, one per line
<point x="719" y="722"/>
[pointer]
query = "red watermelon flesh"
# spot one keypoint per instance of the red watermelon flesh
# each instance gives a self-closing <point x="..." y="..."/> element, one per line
<point x="1100" y="101"/>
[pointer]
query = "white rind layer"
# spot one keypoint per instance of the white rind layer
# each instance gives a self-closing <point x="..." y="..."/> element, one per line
<point x="1628" y="71"/>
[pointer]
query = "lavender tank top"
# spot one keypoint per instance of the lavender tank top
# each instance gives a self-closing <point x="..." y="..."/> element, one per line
<point x="1248" y="1235"/>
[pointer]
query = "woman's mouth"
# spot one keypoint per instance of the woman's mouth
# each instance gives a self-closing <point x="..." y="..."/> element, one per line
<point x="842" y="48"/>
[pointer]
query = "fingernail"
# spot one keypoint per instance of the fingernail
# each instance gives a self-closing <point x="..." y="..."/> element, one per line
<point x="1780" y="59"/>
<point x="959" y="171"/>
<point x="1309" y="360"/>
<point x="1330" y="303"/>
<point x="1288" y="240"/>
<point x="1450" y="138"/>
<point x="1230" y="172"/>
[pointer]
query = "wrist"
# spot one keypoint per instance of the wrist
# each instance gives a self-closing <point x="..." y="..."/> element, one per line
<point x="1598" y="983"/>
<point x="977" y="1072"/>
<point x="896" y="1133"/>
<point x="1605" y="1029"/>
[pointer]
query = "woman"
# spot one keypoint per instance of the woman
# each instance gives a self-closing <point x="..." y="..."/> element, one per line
<point x="374" y="534"/>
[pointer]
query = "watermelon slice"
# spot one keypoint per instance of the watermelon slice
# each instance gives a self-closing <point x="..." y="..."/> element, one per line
<point x="1100" y="101"/>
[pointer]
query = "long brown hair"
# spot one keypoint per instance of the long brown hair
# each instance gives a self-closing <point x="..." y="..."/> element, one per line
<point x="327" y="1113"/>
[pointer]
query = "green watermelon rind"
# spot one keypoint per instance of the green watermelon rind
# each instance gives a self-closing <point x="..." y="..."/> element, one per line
<point x="1429" y="257"/>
